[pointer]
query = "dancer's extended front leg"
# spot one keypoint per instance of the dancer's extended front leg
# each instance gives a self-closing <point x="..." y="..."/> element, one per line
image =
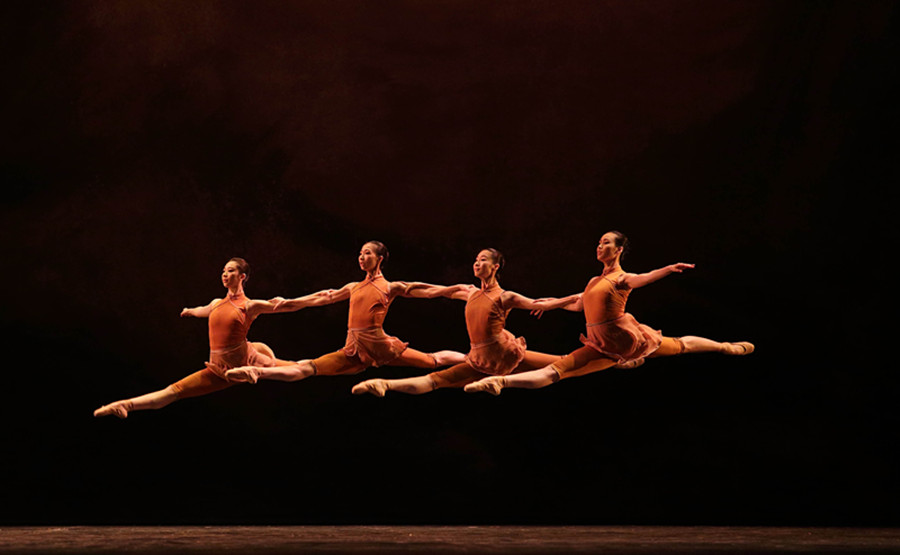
<point x="694" y="344"/>
<point x="290" y="372"/>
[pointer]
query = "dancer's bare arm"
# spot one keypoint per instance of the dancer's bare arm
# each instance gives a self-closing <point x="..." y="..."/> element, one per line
<point x="319" y="298"/>
<point x="538" y="306"/>
<point x="256" y="307"/>
<point x="420" y="290"/>
<point x="199" y="311"/>
<point x="633" y="281"/>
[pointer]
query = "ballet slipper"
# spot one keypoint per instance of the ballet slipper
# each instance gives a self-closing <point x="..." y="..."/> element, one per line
<point x="629" y="364"/>
<point x="492" y="385"/>
<point x="244" y="374"/>
<point x="745" y="346"/>
<point x="117" y="409"/>
<point x="375" y="387"/>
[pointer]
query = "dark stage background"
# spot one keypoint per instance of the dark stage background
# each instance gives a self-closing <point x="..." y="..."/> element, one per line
<point x="145" y="143"/>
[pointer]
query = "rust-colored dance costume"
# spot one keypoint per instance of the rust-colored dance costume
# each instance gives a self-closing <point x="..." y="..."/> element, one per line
<point x="367" y="344"/>
<point x="229" y="321"/>
<point x="613" y="335"/>
<point x="494" y="350"/>
<point x="228" y="348"/>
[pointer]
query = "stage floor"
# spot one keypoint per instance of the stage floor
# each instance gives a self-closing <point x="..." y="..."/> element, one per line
<point x="443" y="539"/>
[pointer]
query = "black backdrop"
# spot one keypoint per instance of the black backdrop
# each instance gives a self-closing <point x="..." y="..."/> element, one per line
<point x="145" y="143"/>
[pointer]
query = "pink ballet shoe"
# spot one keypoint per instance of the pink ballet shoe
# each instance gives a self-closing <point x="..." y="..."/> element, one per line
<point x="375" y="387"/>
<point x="492" y="385"/>
<point x="746" y="348"/>
<point x="117" y="409"/>
<point x="244" y="374"/>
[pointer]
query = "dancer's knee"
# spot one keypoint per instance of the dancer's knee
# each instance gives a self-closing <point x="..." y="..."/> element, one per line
<point x="553" y="373"/>
<point x="671" y="346"/>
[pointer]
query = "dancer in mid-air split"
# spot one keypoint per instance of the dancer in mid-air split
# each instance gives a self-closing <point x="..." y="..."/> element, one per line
<point x="229" y="322"/>
<point x="614" y="337"/>
<point x="494" y="350"/>
<point x="367" y="344"/>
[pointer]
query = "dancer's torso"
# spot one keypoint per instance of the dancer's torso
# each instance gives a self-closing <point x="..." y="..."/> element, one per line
<point x="369" y="302"/>
<point x="229" y="323"/>
<point x="485" y="316"/>
<point x="603" y="299"/>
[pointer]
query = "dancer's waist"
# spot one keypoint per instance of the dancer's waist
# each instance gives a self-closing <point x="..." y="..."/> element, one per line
<point x="605" y="321"/>
<point x="490" y="341"/>
<point x="229" y="349"/>
<point x="370" y="328"/>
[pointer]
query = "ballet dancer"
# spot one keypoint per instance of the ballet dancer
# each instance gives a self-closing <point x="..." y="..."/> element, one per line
<point x="614" y="337"/>
<point x="494" y="350"/>
<point x="367" y="344"/>
<point x="229" y="321"/>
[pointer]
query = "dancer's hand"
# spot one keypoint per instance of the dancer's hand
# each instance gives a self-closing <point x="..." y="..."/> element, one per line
<point x="185" y="312"/>
<point x="680" y="267"/>
<point x="540" y="311"/>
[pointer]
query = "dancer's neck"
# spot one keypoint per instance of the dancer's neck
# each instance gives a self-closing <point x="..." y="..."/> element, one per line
<point x="236" y="292"/>
<point x="489" y="283"/>
<point x="611" y="268"/>
<point x="374" y="274"/>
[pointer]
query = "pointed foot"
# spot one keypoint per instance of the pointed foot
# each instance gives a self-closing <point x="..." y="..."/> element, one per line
<point x="376" y="387"/>
<point x="628" y="364"/>
<point x="492" y="385"/>
<point x="740" y="348"/>
<point x="244" y="374"/>
<point x="119" y="409"/>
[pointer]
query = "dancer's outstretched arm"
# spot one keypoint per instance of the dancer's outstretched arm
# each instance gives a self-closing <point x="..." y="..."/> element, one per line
<point x="515" y="300"/>
<point x="420" y="290"/>
<point x="255" y="307"/>
<point x="319" y="298"/>
<point x="199" y="311"/>
<point x="634" y="281"/>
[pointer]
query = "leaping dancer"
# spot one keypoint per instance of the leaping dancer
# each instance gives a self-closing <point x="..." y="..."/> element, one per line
<point x="229" y="321"/>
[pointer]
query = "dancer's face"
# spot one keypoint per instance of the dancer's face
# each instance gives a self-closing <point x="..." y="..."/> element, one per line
<point x="232" y="276"/>
<point x="368" y="258"/>
<point x="607" y="251"/>
<point x="484" y="265"/>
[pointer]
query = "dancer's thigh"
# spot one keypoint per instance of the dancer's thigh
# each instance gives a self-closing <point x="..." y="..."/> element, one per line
<point x="534" y="360"/>
<point x="414" y="358"/>
<point x="199" y="383"/>
<point x="457" y="375"/>
<point x="581" y="361"/>
<point x="337" y="363"/>
<point x="669" y="346"/>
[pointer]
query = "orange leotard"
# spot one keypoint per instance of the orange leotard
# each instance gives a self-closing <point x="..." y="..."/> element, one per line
<point x="228" y="348"/>
<point x="611" y="330"/>
<point x="494" y="350"/>
<point x="229" y="323"/>
<point x="369" y="302"/>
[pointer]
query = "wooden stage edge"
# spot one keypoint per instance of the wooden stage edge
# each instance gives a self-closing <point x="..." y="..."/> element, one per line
<point x="273" y="540"/>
